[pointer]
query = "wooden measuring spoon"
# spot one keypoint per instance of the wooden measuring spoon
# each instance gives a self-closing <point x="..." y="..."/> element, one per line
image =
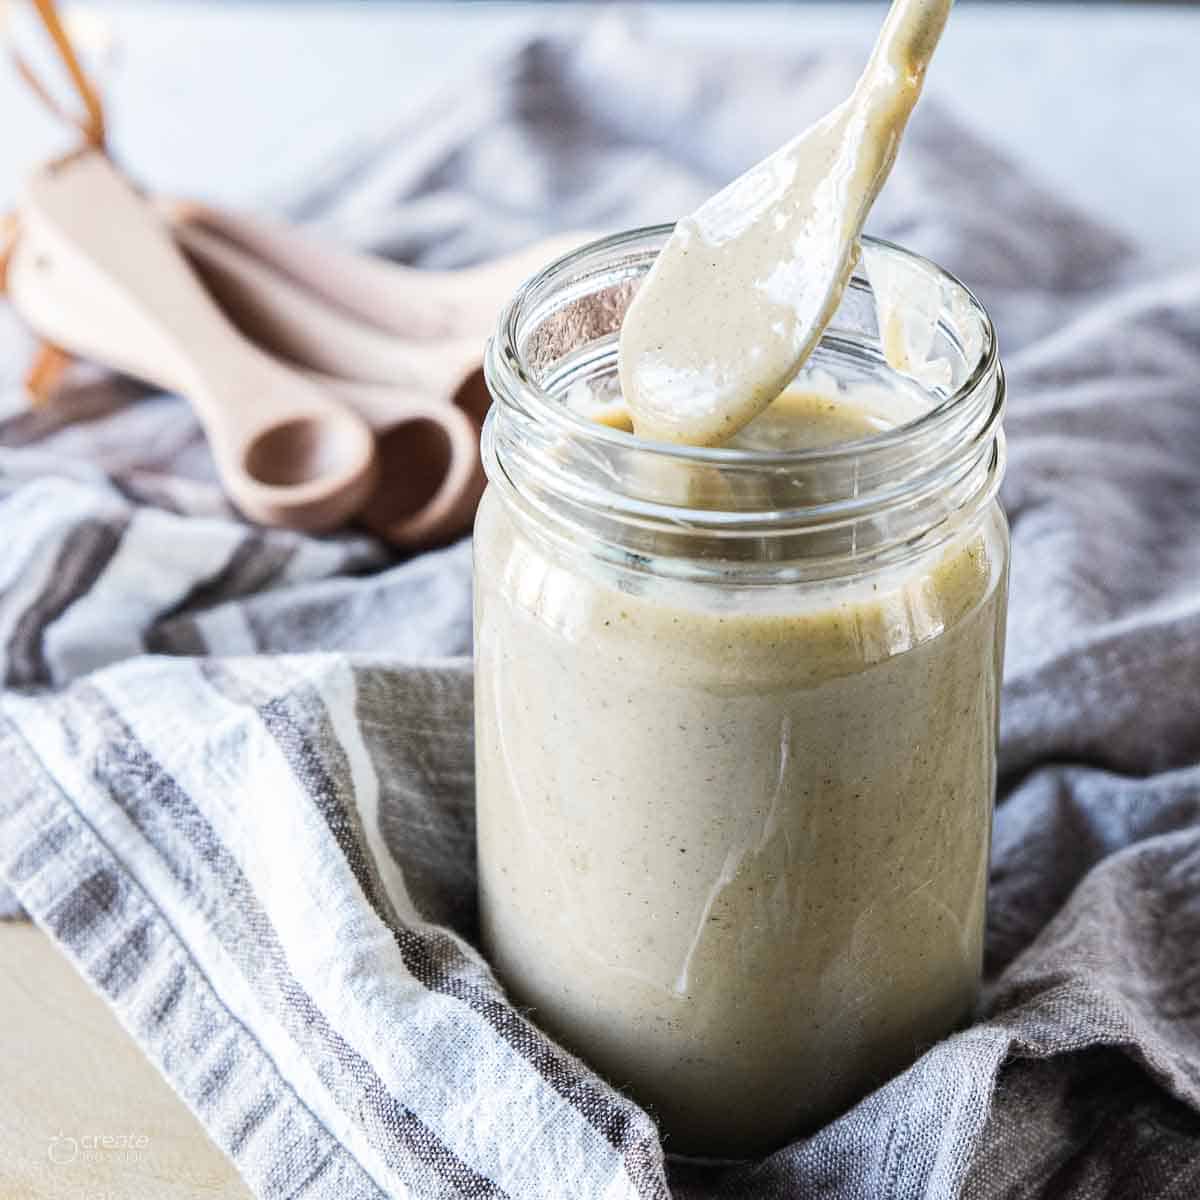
<point x="427" y="450"/>
<point x="288" y="451"/>
<point x="424" y="400"/>
<point x="409" y="302"/>
<point x="430" y="474"/>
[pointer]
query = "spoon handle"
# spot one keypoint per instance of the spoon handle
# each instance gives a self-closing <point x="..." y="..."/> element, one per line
<point x="409" y="302"/>
<point x="290" y="321"/>
<point x="396" y="299"/>
<point x="910" y="34"/>
<point x="91" y="227"/>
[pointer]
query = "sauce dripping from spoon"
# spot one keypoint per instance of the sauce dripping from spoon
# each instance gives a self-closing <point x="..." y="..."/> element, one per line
<point x="744" y="287"/>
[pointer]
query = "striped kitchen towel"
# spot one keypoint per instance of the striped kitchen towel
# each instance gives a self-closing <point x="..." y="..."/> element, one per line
<point x="237" y="763"/>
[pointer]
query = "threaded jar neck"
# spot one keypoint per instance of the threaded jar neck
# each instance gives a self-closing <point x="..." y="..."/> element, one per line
<point x="753" y="515"/>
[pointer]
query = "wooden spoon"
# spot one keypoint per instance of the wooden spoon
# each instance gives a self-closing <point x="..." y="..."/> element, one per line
<point x="742" y="291"/>
<point x="95" y="270"/>
<point x="430" y="474"/>
<point x="327" y="310"/>
<point x="425" y="400"/>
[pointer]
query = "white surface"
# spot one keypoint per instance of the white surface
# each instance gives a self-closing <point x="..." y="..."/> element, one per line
<point x="235" y="101"/>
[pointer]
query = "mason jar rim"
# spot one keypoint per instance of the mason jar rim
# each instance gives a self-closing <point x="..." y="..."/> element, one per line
<point x="714" y="512"/>
<point x="505" y="364"/>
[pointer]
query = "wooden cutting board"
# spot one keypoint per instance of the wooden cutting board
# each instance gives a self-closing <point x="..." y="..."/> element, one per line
<point x="70" y="1076"/>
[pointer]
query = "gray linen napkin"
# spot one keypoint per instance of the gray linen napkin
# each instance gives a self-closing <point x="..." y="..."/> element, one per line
<point x="257" y="841"/>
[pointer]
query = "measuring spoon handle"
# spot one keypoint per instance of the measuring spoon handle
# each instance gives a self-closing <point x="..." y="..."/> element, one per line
<point x="91" y="227"/>
<point x="289" y="320"/>
<point x="407" y="301"/>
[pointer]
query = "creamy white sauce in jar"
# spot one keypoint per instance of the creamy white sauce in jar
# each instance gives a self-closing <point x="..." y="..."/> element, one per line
<point x="736" y="712"/>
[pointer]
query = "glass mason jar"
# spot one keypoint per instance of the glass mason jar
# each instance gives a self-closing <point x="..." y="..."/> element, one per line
<point x="736" y="714"/>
